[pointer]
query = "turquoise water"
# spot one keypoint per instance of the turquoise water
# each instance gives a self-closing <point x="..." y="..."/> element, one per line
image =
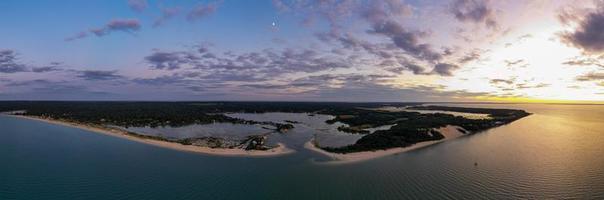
<point x="555" y="153"/>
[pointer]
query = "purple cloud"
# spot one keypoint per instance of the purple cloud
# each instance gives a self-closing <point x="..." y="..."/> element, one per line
<point x="407" y="40"/>
<point x="53" y="66"/>
<point x="77" y="36"/>
<point x="138" y="5"/>
<point x="125" y="25"/>
<point x="588" y="35"/>
<point x="444" y="69"/>
<point x="98" y="75"/>
<point x="167" y="13"/>
<point x="9" y="62"/>
<point x="202" y="10"/>
<point x="475" y="11"/>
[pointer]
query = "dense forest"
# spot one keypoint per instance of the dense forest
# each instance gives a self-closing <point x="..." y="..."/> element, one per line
<point x="169" y="113"/>
<point x="154" y="114"/>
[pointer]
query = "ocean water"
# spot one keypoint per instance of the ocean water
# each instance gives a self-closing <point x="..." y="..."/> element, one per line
<point x="556" y="153"/>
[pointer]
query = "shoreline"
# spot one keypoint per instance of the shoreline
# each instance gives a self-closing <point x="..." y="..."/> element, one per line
<point x="281" y="149"/>
<point x="450" y="132"/>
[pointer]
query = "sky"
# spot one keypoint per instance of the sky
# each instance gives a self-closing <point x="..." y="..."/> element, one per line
<point x="293" y="50"/>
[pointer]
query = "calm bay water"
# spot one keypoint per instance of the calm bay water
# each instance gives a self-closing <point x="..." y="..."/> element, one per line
<point x="555" y="153"/>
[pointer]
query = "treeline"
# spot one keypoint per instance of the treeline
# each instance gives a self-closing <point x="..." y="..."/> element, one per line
<point x="491" y="111"/>
<point x="127" y="114"/>
<point x="130" y="114"/>
<point x="154" y="114"/>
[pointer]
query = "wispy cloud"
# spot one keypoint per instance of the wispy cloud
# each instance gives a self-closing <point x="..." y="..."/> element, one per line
<point x="124" y="25"/>
<point x="592" y="76"/>
<point x="166" y="14"/>
<point x="138" y="5"/>
<point x="201" y="11"/>
<point x="99" y="75"/>
<point x="9" y="62"/>
<point x="53" y="66"/>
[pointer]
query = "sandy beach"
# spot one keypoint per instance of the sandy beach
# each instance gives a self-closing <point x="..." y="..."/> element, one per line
<point x="450" y="132"/>
<point x="277" y="151"/>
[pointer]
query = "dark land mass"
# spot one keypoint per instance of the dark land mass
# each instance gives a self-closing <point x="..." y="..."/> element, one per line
<point x="409" y="127"/>
<point x="414" y="127"/>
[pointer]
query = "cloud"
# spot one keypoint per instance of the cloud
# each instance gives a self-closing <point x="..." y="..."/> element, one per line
<point x="138" y="5"/>
<point x="475" y="11"/>
<point x="587" y="36"/>
<point x="77" y="36"/>
<point x="363" y="88"/>
<point x="237" y="76"/>
<point x="201" y="10"/>
<point x="248" y="66"/>
<point x="444" y="69"/>
<point x="511" y="63"/>
<point x="401" y="65"/>
<point x="265" y="86"/>
<point x="583" y="62"/>
<point x="167" y="13"/>
<point x="30" y="82"/>
<point x="281" y="6"/>
<point x="9" y="62"/>
<point x="471" y="56"/>
<point x="53" y="66"/>
<point x="43" y="89"/>
<point x="173" y="79"/>
<point x="191" y="81"/>
<point x="44" y="69"/>
<point x="379" y="11"/>
<point x="407" y="40"/>
<point x="331" y="11"/>
<point x="124" y="25"/>
<point x="592" y="76"/>
<point x="167" y="60"/>
<point x="99" y="75"/>
<point x="397" y="48"/>
<point x="528" y="86"/>
<point x="498" y="81"/>
<point x="315" y="84"/>
<point x="524" y="37"/>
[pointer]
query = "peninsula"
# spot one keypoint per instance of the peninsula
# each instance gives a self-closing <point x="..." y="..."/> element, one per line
<point x="381" y="131"/>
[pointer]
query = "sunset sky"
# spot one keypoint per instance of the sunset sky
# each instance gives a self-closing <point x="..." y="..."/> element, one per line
<point x="391" y="50"/>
